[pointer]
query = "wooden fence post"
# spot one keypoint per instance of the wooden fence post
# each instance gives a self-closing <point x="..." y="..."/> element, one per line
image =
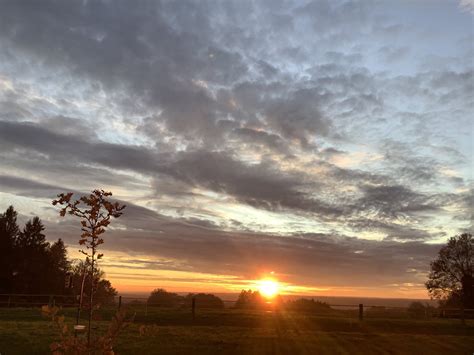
<point x="361" y="311"/>
<point x="9" y="300"/>
<point x="120" y="303"/>
<point x="193" y="307"/>
<point x="146" y="308"/>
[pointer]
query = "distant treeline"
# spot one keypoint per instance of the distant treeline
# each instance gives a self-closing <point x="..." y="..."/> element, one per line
<point x="253" y="300"/>
<point x="161" y="298"/>
<point x="247" y="299"/>
<point x="29" y="264"/>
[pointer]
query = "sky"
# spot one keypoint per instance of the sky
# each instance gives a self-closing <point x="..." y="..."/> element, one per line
<point x="326" y="144"/>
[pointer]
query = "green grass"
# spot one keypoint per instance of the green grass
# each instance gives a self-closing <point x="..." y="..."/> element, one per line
<point x="24" y="331"/>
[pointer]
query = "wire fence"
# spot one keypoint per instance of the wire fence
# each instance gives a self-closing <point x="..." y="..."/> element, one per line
<point x="143" y="307"/>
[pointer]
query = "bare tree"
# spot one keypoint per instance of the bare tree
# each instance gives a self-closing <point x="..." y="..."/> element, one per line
<point x="95" y="212"/>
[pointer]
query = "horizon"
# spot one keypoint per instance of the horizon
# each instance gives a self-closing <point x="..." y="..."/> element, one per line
<point x="144" y="295"/>
<point x="326" y="145"/>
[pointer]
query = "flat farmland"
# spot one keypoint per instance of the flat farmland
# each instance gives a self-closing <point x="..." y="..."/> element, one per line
<point x="170" y="331"/>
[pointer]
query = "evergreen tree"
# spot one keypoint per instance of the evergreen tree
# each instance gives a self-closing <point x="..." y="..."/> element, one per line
<point x="33" y="250"/>
<point x="59" y="267"/>
<point x="8" y="234"/>
<point x="29" y="264"/>
<point x="32" y="236"/>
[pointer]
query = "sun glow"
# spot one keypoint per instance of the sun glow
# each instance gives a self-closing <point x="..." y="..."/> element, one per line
<point x="268" y="288"/>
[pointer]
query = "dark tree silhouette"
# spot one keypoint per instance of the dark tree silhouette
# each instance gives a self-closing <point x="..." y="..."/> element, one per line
<point x="59" y="266"/>
<point x="249" y="299"/>
<point x="29" y="264"/>
<point x="452" y="273"/>
<point x="32" y="235"/>
<point x="161" y="298"/>
<point x="8" y="233"/>
<point x="204" y="300"/>
<point x="32" y="250"/>
<point x="104" y="293"/>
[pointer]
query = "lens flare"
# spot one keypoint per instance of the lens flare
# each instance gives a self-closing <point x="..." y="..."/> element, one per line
<point x="268" y="288"/>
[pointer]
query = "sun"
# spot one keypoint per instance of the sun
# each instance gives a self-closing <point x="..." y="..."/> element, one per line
<point x="268" y="288"/>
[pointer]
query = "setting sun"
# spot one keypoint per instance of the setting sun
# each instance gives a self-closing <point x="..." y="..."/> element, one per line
<point x="268" y="288"/>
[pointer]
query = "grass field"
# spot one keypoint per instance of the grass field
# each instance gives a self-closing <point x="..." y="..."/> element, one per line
<point x="25" y="331"/>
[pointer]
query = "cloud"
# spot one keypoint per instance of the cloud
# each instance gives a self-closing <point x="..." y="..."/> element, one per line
<point x="393" y="201"/>
<point x="286" y="132"/>
<point x="467" y="5"/>
<point x="263" y="185"/>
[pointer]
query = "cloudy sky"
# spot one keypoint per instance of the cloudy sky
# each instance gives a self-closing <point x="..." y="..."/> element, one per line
<point x="328" y="142"/>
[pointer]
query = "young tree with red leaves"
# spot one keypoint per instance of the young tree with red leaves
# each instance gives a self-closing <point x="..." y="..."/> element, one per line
<point x="95" y="212"/>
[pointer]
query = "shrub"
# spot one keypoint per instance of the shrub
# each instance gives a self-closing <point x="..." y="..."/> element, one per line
<point x="250" y="299"/>
<point x="161" y="298"/>
<point x="420" y="310"/>
<point x="308" y="305"/>
<point x="204" y="300"/>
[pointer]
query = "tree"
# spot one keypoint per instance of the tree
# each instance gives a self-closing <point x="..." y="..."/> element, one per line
<point x="452" y="273"/>
<point x="32" y="250"/>
<point x="161" y="298"/>
<point x="95" y="212"/>
<point x="104" y="293"/>
<point x="32" y="235"/>
<point x="29" y="264"/>
<point x="250" y="299"/>
<point x="59" y="266"/>
<point x="8" y="233"/>
<point x="204" y="300"/>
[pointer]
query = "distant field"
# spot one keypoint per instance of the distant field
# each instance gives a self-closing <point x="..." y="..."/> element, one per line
<point x="24" y="331"/>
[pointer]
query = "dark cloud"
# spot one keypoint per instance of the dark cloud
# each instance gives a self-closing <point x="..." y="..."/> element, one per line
<point x="303" y="259"/>
<point x="393" y="201"/>
<point x="29" y="136"/>
<point x="265" y="139"/>
<point x="26" y="187"/>
<point x="262" y="185"/>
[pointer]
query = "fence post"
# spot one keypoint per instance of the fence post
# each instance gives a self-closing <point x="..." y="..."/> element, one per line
<point x="146" y="308"/>
<point x="361" y="311"/>
<point x="9" y="300"/>
<point x="120" y="303"/>
<point x="193" y="307"/>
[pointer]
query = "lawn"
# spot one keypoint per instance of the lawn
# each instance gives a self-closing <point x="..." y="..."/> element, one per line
<point x="24" y="331"/>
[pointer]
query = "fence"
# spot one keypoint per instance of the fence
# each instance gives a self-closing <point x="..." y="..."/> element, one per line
<point x="29" y="300"/>
<point x="142" y="307"/>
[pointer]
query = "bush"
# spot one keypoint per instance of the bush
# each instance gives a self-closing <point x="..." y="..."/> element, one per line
<point x="420" y="310"/>
<point x="250" y="299"/>
<point x="306" y="305"/>
<point x="161" y="298"/>
<point x="204" y="300"/>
